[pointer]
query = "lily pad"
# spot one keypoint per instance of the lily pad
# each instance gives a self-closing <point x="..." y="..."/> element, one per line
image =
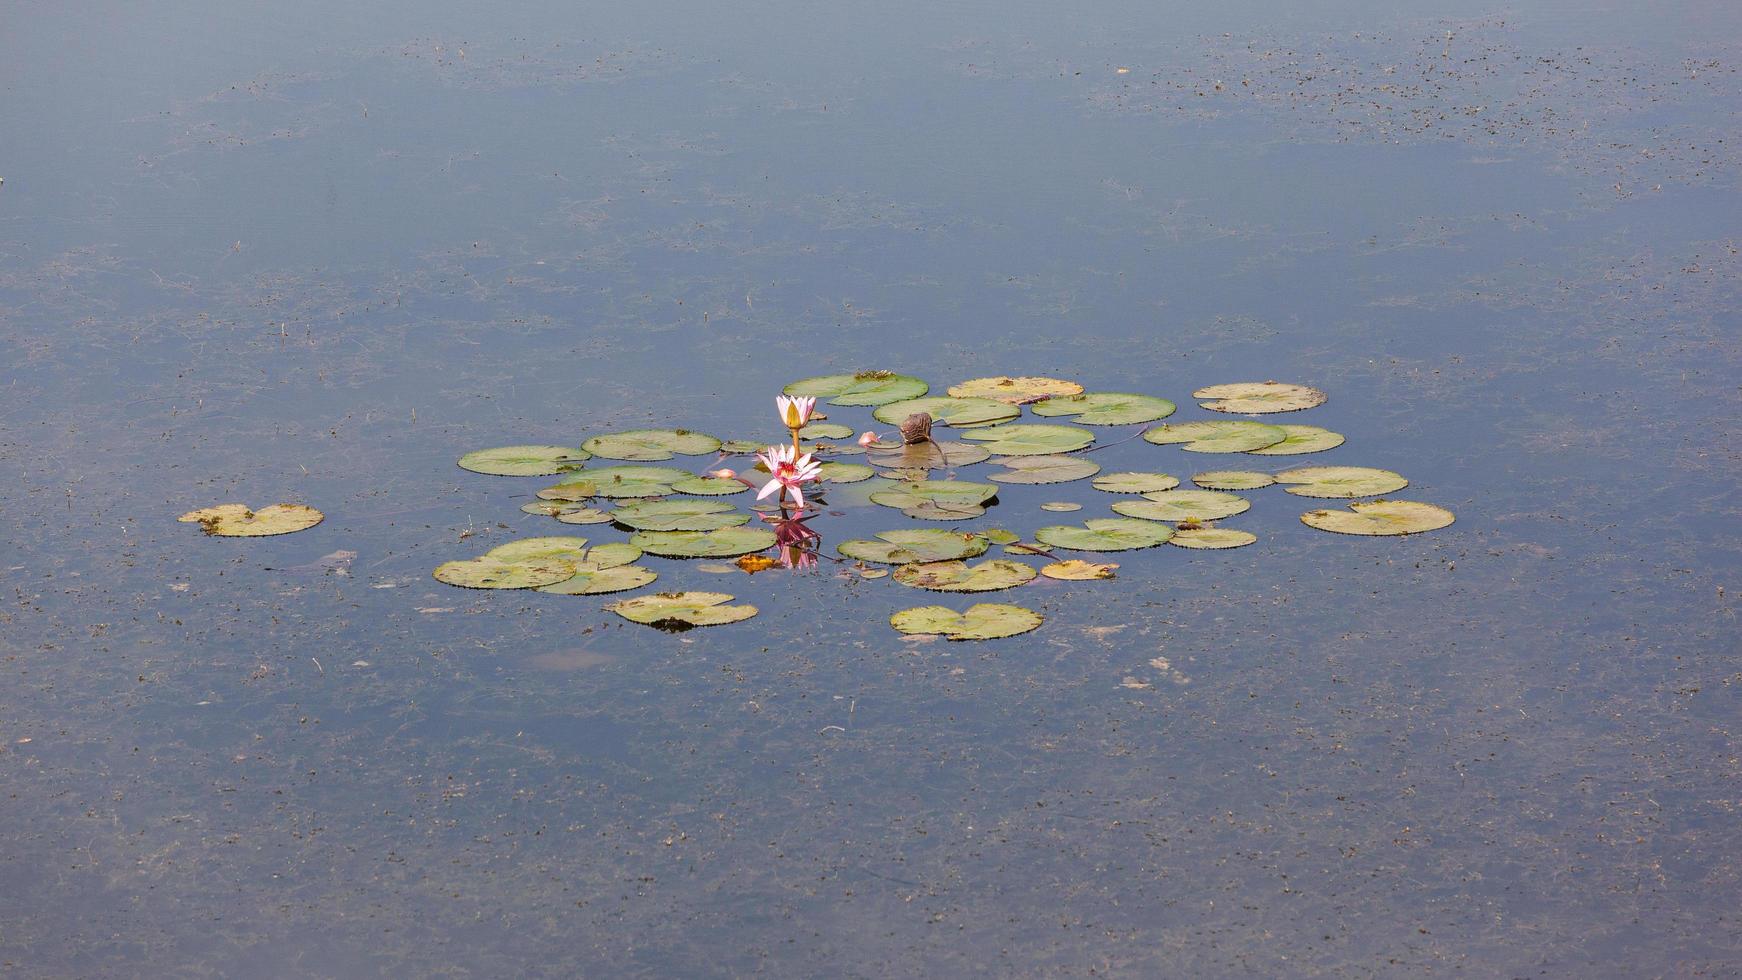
<point x="1044" y="469"/>
<point x="1380" y="517"/>
<point x="826" y="430"/>
<point x="983" y="621"/>
<point x="1233" y="480"/>
<point x="590" y="579"/>
<point x="1106" y="408"/>
<point x="1019" y="439"/>
<point x="524" y="460"/>
<point x="648" y="444"/>
<point x="916" y="545"/>
<point x="728" y="542"/>
<point x="237" y="521"/>
<point x="937" y="500"/>
<point x="1135" y="482"/>
<point x="568" y="511"/>
<point x="844" y="473"/>
<point x="1184" y="505"/>
<point x="679" y="515"/>
<point x="1060" y="506"/>
<point x="1341" y="481"/>
<point x="494" y="573"/>
<point x="955" y="576"/>
<point x="566" y="547"/>
<point x="933" y="454"/>
<point x="1216" y="437"/>
<point x="676" y="611"/>
<point x="709" y="486"/>
<point x="1211" y="537"/>
<point x="1015" y="391"/>
<point x="1077" y="570"/>
<point x="864" y="388"/>
<point x="1105" y="534"/>
<point x="585" y="515"/>
<point x="959" y="413"/>
<point x="617" y="482"/>
<point x="742" y="447"/>
<point x="1302" y="439"/>
<point x="998" y="535"/>
<point x="1259" y="397"/>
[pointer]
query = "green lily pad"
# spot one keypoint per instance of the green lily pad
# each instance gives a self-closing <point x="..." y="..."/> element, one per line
<point x="568" y="511"/>
<point x="844" y="473"/>
<point x="1233" y="480"/>
<point x="709" y="486"/>
<point x="864" y="388"/>
<point x="959" y="413"/>
<point x="1015" y="391"/>
<point x="237" y="521"/>
<point x="983" y="621"/>
<point x="937" y="500"/>
<point x="916" y="545"/>
<point x="1135" y="482"/>
<point x="826" y="430"/>
<point x="586" y="515"/>
<point x="590" y="579"/>
<point x="648" y="444"/>
<point x="493" y="573"/>
<point x="1380" y="517"/>
<point x="617" y="482"/>
<point x="728" y="542"/>
<point x="1183" y="505"/>
<point x="933" y="454"/>
<point x="612" y="555"/>
<point x="1216" y="437"/>
<point x="1302" y="439"/>
<point x="677" y="611"/>
<point x="1106" y="408"/>
<point x="1044" y="469"/>
<point x="998" y="535"/>
<point x="566" y="547"/>
<point x="524" y="460"/>
<point x="1259" y="397"/>
<point x="1105" y="534"/>
<point x="1018" y="439"/>
<point x="1060" y="506"/>
<point x="1215" y="538"/>
<point x="742" y="447"/>
<point x="1340" y="481"/>
<point x="679" y="515"/>
<point x="955" y="576"/>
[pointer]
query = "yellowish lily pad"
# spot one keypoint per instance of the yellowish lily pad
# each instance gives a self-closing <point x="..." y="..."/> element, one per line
<point x="955" y="576"/>
<point x="1015" y="391"/>
<point x="494" y="573"/>
<point x="1259" y="397"/>
<point x="237" y="521"/>
<point x="1301" y="439"/>
<point x="676" y="611"/>
<point x="1381" y="517"/>
<point x="983" y="621"/>
<point x="1340" y="481"/>
<point x="1077" y="570"/>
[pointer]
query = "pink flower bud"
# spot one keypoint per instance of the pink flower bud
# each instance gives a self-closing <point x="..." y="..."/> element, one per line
<point x="867" y="438"/>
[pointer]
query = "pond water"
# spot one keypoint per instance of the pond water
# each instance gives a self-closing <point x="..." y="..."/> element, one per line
<point x="316" y="255"/>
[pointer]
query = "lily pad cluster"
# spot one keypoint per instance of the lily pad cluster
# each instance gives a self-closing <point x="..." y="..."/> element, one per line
<point x="673" y="511"/>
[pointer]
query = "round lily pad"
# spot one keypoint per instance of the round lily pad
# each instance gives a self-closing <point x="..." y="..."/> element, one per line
<point x="933" y="454"/>
<point x="1106" y="408"/>
<point x="741" y="447"/>
<point x="1216" y="437"/>
<point x="566" y="547"/>
<point x="937" y="500"/>
<point x="1211" y="537"/>
<point x="1105" y="534"/>
<point x="617" y="482"/>
<point x="1077" y="570"/>
<point x="568" y="511"/>
<point x="1183" y="505"/>
<point x="1017" y="439"/>
<point x="639" y="444"/>
<point x="677" y="611"/>
<point x="1233" y="480"/>
<point x="959" y="413"/>
<point x="1044" y="469"/>
<point x="1301" y="439"/>
<point x="1380" y="517"/>
<point x="955" y="576"/>
<point x="864" y="388"/>
<point x="611" y="555"/>
<point x="983" y="621"/>
<point x="998" y="535"/>
<point x="237" y="521"/>
<point x="826" y="430"/>
<point x="728" y="542"/>
<point x="1060" y="506"/>
<point x="585" y="515"/>
<point x="844" y="473"/>
<point x="916" y="545"/>
<point x="709" y="486"/>
<point x="1135" y="482"/>
<point x="1340" y="481"/>
<point x="679" y="515"/>
<point x="494" y="573"/>
<point x="524" y="460"/>
<point x="1259" y="397"/>
<point x="1015" y="391"/>
<point x="590" y="579"/>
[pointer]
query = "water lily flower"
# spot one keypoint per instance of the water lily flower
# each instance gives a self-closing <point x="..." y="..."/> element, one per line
<point x="866" y="439"/>
<point x="795" y="411"/>
<point x="790" y="471"/>
<point x="723" y="474"/>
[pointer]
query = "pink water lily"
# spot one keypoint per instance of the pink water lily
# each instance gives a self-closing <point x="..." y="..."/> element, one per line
<point x="790" y="472"/>
<point x="867" y="439"/>
<point x="795" y="411"/>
